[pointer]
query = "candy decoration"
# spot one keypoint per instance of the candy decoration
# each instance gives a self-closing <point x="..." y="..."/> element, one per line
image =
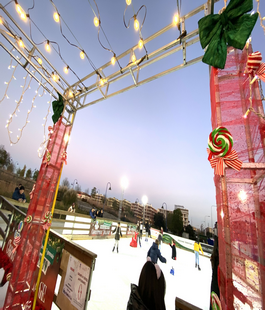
<point x="220" y="153"/>
<point x="255" y="66"/>
<point x="220" y="142"/>
<point x="64" y="157"/>
<point x="232" y="27"/>
<point x="28" y="219"/>
<point x="215" y="302"/>
<point x="47" y="159"/>
<point x="47" y="220"/>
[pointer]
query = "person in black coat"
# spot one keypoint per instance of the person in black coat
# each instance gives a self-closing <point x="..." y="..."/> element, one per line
<point x="117" y="237"/>
<point x="174" y="252"/>
<point x="215" y="266"/>
<point x="147" y="229"/>
<point x="154" y="253"/>
<point x="150" y="292"/>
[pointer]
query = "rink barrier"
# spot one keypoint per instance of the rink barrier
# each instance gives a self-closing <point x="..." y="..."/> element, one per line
<point x="181" y="304"/>
<point x="53" y="279"/>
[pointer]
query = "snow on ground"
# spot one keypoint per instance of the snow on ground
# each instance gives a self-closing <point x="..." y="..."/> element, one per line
<point x="114" y="273"/>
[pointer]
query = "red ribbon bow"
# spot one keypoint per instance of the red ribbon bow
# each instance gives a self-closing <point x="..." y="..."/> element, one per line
<point x="47" y="221"/>
<point x="219" y="163"/>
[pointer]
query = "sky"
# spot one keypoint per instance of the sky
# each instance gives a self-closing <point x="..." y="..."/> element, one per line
<point x="156" y="134"/>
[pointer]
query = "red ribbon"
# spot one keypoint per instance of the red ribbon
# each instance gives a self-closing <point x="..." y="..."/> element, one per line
<point x="219" y="163"/>
<point x="255" y="66"/>
<point x="47" y="221"/>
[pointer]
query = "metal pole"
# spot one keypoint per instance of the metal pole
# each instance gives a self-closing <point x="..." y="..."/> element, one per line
<point x="122" y="193"/>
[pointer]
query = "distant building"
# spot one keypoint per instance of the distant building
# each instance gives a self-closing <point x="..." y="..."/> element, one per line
<point x="185" y="214"/>
<point x="164" y="211"/>
<point x="150" y="211"/>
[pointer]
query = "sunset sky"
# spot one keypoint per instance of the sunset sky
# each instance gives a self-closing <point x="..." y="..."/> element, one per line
<point x="155" y="135"/>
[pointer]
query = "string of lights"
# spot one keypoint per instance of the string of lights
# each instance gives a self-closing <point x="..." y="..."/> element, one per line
<point x="98" y="23"/>
<point x="11" y="79"/>
<point x="9" y="121"/>
<point x="43" y="145"/>
<point x="262" y="19"/>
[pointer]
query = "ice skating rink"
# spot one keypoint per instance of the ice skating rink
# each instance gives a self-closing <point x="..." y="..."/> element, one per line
<point x="114" y="273"/>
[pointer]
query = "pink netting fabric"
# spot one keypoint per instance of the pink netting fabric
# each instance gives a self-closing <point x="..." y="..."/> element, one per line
<point x="240" y="195"/>
<point x="24" y="273"/>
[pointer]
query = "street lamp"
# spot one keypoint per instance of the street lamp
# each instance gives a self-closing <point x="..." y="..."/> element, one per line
<point x="144" y="201"/>
<point x="124" y="185"/>
<point x="106" y="193"/>
<point x="137" y="200"/>
<point x="98" y="191"/>
<point x="166" y="212"/>
<point x="205" y="222"/>
<point x="74" y="183"/>
<point x="212" y="216"/>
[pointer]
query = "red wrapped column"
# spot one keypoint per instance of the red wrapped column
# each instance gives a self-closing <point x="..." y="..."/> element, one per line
<point x="24" y="273"/>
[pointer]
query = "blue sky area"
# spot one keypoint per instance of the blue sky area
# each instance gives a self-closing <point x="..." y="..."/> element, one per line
<point x="155" y="135"/>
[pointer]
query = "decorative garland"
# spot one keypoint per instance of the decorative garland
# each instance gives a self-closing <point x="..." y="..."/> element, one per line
<point x="220" y="151"/>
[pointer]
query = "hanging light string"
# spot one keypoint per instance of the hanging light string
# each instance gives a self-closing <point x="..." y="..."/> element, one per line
<point x="262" y="19"/>
<point x="11" y="79"/>
<point x="9" y="121"/>
<point x="43" y="145"/>
<point x="97" y="23"/>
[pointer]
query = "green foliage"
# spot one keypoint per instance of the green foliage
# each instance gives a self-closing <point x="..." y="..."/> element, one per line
<point x="5" y="158"/>
<point x="175" y="222"/>
<point x="11" y="167"/>
<point x="66" y="183"/>
<point x="35" y="175"/>
<point x="22" y="172"/>
<point x="69" y="197"/>
<point x="159" y="220"/>
<point x="29" y="174"/>
<point x="93" y="192"/>
<point x="189" y="229"/>
<point x="61" y="191"/>
<point x="18" y="172"/>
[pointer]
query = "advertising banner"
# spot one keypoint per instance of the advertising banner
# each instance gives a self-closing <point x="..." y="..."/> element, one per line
<point x="100" y="228"/>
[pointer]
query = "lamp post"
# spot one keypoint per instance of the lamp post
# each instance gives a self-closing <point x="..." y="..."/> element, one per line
<point x="205" y="222"/>
<point x="136" y="200"/>
<point x="74" y="183"/>
<point x="106" y="193"/>
<point x="124" y="185"/>
<point x="212" y="216"/>
<point x="166" y="212"/>
<point x="144" y="201"/>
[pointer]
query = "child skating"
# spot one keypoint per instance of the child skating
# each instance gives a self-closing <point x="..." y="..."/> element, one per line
<point x="197" y="248"/>
<point x="117" y="237"/>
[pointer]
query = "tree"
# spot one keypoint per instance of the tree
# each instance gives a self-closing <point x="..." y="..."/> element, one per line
<point x="159" y="220"/>
<point x="175" y="224"/>
<point x="35" y="175"/>
<point x="10" y="167"/>
<point x="93" y="192"/>
<point x="29" y="174"/>
<point x="87" y="191"/>
<point x="69" y="197"/>
<point x="18" y="171"/>
<point x="66" y="183"/>
<point x="22" y="171"/>
<point x="189" y="229"/>
<point x="5" y="158"/>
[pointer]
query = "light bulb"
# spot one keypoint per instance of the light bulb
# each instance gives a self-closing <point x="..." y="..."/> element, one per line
<point x="113" y="60"/>
<point x="66" y="69"/>
<point x="176" y="19"/>
<point x="40" y="61"/>
<point x="56" y="17"/>
<point x="20" y="43"/>
<point x="96" y="21"/>
<point x="82" y="55"/>
<point x="101" y="81"/>
<point x="19" y="9"/>
<point x="133" y="58"/>
<point x="128" y="2"/>
<point x="23" y="16"/>
<point x="1" y="20"/>
<point x="47" y="47"/>
<point x="140" y="43"/>
<point x="136" y="24"/>
<point x="55" y="76"/>
<point x="70" y="94"/>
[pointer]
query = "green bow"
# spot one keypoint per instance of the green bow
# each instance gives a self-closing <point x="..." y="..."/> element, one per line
<point x="57" y="107"/>
<point x="233" y="27"/>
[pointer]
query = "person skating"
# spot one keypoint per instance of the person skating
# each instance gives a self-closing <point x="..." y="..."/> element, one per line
<point x="139" y="236"/>
<point x="147" y="228"/>
<point x="197" y="249"/>
<point x="174" y="252"/>
<point x="160" y="238"/>
<point x="154" y="253"/>
<point x="117" y="237"/>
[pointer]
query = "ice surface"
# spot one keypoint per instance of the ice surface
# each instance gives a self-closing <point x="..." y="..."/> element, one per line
<point x="114" y="273"/>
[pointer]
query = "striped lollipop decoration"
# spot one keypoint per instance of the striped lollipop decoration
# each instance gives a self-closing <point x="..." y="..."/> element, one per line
<point x="220" y="142"/>
<point x="220" y="151"/>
